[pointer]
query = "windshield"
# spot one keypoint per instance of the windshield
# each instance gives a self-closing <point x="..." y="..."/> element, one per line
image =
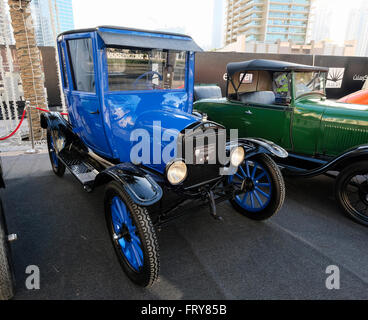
<point x="145" y="69"/>
<point x="307" y="82"/>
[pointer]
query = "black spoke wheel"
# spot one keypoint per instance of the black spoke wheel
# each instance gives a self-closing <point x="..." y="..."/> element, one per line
<point x="261" y="188"/>
<point x="133" y="236"/>
<point x="351" y="191"/>
<point x="6" y="270"/>
<point x="57" y="166"/>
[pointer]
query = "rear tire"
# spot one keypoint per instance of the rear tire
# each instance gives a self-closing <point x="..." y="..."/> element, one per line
<point x="137" y="247"/>
<point x="6" y="270"/>
<point x="57" y="166"/>
<point x="351" y="191"/>
<point x="264" y="193"/>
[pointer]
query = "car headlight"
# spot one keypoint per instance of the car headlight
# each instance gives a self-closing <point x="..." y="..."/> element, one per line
<point x="176" y="172"/>
<point x="237" y="156"/>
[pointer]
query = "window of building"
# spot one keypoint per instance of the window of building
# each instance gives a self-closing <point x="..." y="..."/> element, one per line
<point x="297" y="38"/>
<point x="298" y="16"/>
<point x="277" y="29"/>
<point x="279" y="14"/>
<point x="275" y="37"/>
<point x="279" y="7"/>
<point x="81" y="57"/>
<point x="145" y="69"/>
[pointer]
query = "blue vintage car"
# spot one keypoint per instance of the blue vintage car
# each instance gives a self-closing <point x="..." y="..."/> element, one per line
<point x="129" y="95"/>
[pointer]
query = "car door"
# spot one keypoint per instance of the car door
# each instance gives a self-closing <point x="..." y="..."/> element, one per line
<point x="271" y="122"/>
<point x="306" y="126"/>
<point x="82" y="96"/>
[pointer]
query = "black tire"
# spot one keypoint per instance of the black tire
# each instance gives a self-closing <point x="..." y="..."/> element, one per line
<point x="351" y="191"/>
<point x="6" y="270"/>
<point x="148" y="273"/>
<point x="59" y="168"/>
<point x="277" y="195"/>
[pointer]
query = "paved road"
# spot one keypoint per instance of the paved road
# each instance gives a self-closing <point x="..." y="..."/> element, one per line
<point x="62" y="230"/>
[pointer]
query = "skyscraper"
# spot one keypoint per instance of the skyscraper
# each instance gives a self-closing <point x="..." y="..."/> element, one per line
<point x="6" y="33"/>
<point x="268" y="20"/>
<point x="218" y="23"/>
<point x="42" y="13"/>
<point x="335" y="21"/>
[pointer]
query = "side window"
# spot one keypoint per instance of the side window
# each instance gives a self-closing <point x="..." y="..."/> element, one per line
<point x="281" y="87"/>
<point x="63" y="67"/>
<point x="81" y="57"/>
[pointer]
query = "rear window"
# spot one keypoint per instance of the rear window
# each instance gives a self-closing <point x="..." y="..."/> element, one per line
<point x="141" y="69"/>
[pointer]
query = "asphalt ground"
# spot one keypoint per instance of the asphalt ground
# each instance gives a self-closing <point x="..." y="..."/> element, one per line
<point x="62" y="230"/>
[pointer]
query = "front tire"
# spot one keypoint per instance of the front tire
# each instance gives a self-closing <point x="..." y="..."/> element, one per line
<point x="57" y="166"/>
<point x="6" y="271"/>
<point x="133" y="236"/>
<point x="351" y="191"/>
<point x="263" y="188"/>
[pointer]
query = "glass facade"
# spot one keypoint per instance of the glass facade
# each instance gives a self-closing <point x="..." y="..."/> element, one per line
<point x="62" y="11"/>
<point x="278" y="20"/>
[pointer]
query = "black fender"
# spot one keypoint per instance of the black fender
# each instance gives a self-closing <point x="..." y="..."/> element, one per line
<point x="53" y="121"/>
<point x="338" y="163"/>
<point x="61" y="129"/>
<point x="255" y="146"/>
<point x="63" y="134"/>
<point x="139" y="185"/>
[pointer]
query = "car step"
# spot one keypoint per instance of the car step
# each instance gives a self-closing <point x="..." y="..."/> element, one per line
<point x="83" y="172"/>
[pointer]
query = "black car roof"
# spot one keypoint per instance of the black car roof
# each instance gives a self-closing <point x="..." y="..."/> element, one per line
<point x="269" y="65"/>
<point x="130" y="37"/>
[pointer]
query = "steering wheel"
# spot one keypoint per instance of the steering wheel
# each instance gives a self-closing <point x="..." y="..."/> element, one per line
<point x="149" y="85"/>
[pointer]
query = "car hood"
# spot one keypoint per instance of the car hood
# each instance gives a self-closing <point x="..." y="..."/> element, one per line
<point x="168" y="123"/>
<point x="333" y="104"/>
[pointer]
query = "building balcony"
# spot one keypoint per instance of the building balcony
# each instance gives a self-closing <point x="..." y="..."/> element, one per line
<point x="304" y="3"/>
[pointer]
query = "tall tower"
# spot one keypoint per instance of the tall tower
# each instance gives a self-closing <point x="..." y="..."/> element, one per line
<point x="218" y="23"/>
<point x="6" y="34"/>
<point x="268" y="20"/>
<point x="62" y="11"/>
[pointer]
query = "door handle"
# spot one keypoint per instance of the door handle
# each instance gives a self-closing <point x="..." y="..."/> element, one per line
<point x="95" y="112"/>
<point x="248" y="112"/>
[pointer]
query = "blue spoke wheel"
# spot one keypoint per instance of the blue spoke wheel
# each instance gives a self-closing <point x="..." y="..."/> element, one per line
<point x="133" y="236"/>
<point x="260" y="188"/>
<point x="57" y="166"/>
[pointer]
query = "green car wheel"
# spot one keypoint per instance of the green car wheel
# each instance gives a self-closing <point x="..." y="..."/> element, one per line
<point x="352" y="191"/>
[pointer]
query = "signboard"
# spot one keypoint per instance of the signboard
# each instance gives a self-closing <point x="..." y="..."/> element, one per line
<point x="335" y="77"/>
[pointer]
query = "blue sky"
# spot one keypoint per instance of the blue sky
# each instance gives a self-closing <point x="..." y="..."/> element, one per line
<point x="193" y="17"/>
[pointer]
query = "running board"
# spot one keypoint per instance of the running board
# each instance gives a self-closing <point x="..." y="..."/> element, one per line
<point x="84" y="173"/>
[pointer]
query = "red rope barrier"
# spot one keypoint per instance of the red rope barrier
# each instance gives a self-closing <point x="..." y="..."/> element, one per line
<point x="44" y="110"/>
<point x="21" y="121"/>
<point x="16" y="129"/>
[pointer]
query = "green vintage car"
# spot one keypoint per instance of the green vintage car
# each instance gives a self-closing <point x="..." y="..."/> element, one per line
<point x="286" y="103"/>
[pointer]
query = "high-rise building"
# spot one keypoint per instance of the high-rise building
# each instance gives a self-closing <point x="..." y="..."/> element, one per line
<point x="338" y="22"/>
<point x="268" y="20"/>
<point x="357" y="27"/>
<point x="218" y="23"/>
<point x="43" y="11"/>
<point x="6" y="33"/>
